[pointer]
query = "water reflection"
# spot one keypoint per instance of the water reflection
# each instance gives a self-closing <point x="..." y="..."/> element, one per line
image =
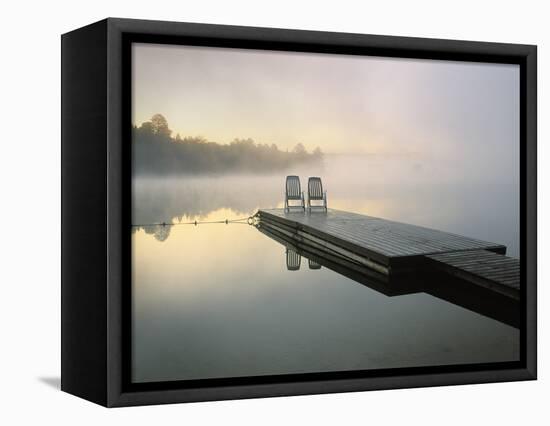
<point x="217" y="300"/>
<point x="443" y="286"/>
<point x="173" y="200"/>
<point x="313" y="265"/>
<point x="160" y="232"/>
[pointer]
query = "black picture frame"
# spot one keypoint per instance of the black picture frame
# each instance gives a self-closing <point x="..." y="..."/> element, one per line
<point x="96" y="177"/>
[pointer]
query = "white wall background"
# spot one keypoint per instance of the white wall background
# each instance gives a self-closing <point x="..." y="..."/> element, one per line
<point x="30" y="212"/>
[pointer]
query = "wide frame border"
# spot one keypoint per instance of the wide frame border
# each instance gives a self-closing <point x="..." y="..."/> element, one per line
<point x="121" y="32"/>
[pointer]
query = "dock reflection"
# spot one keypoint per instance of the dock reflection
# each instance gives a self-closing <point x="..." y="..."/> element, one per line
<point x="435" y="283"/>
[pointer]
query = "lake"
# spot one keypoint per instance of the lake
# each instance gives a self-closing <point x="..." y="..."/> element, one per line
<point x="216" y="300"/>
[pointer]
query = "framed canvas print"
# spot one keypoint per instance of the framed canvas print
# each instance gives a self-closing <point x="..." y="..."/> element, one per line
<point x="251" y="212"/>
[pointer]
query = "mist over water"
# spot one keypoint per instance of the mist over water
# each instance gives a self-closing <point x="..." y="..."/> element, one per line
<point x="218" y="300"/>
<point x="401" y="188"/>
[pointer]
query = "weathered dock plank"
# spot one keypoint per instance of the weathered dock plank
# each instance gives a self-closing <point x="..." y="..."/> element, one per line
<point x="391" y="244"/>
<point x="484" y="268"/>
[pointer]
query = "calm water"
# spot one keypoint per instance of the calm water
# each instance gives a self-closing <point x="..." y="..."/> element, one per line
<point x="218" y="300"/>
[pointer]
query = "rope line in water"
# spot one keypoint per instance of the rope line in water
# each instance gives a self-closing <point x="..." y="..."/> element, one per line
<point x="249" y="220"/>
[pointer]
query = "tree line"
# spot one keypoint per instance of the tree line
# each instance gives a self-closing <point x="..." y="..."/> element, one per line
<point x="156" y="151"/>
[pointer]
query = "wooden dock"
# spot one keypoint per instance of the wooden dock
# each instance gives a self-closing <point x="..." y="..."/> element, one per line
<point x="484" y="268"/>
<point x="394" y="249"/>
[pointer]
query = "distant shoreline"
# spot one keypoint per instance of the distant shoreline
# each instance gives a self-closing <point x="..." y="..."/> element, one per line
<point x="156" y="152"/>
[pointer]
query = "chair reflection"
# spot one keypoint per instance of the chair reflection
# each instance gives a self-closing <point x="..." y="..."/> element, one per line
<point x="293" y="260"/>
<point x="313" y="265"/>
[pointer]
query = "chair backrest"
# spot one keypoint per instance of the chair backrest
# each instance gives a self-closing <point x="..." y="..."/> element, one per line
<point x="315" y="188"/>
<point x="293" y="189"/>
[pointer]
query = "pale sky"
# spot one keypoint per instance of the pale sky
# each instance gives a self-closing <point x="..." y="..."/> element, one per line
<point x="341" y="103"/>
